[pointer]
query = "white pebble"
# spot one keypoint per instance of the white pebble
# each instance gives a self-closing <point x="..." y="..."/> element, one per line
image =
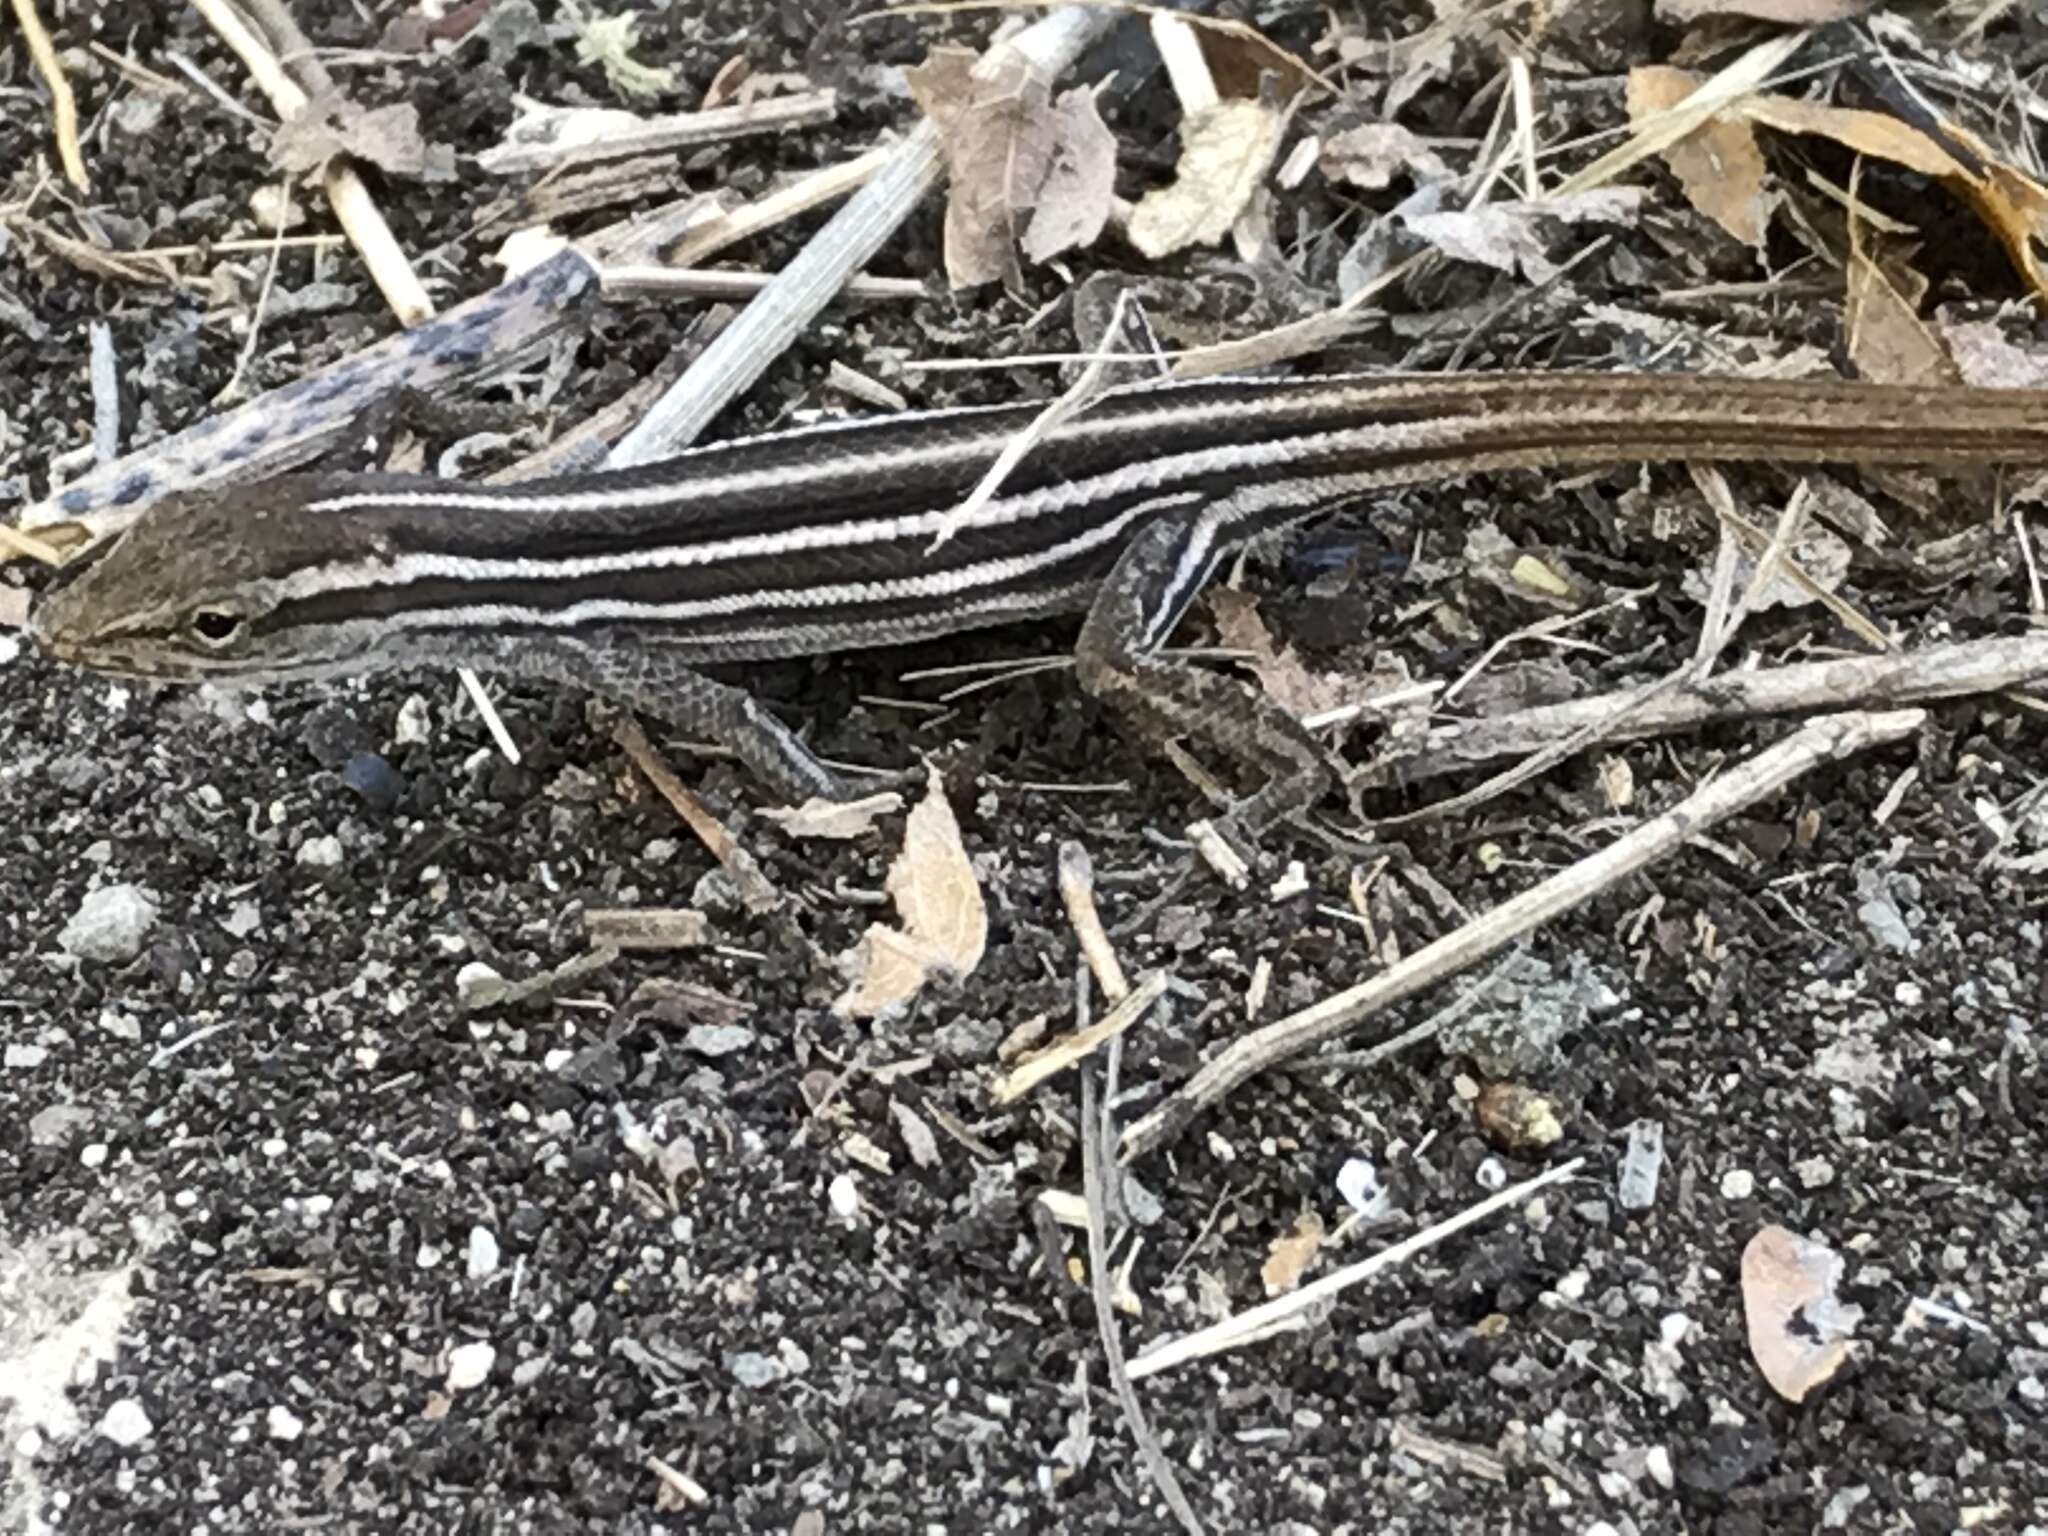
<point x="126" y="1424"/>
<point x="1815" y="1172"/>
<point x="1737" y="1184"/>
<point x="111" y="924"/>
<point x="283" y="1424"/>
<point x="844" y="1196"/>
<point x="414" y="723"/>
<point x="469" y="1365"/>
<point x="321" y="852"/>
<point x="476" y="981"/>
<point x="1658" y="1462"/>
<point x="483" y="1253"/>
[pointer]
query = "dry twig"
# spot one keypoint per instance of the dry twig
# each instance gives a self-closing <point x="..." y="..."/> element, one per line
<point x="1822" y="741"/>
<point x="1956" y="670"/>
<point x="756" y="891"/>
<point x="1286" y="1312"/>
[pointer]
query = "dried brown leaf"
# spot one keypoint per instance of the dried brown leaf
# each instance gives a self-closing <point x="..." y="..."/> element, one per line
<point x="1291" y="1255"/>
<point x="387" y="137"/>
<point x="1080" y="183"/>
<point x="1719" y="165"/>
<point x="1225" y="150"/>
<point x="2008" y="201"/>
<point x="944" y="923"/>
<point x="1510" y="237"/>
<point x="996" y="129"/>
<point x="1798" y="1330"/>
<point x="1872" y="133"/>
<point x="1888" y="341"/>
<point x="1239" y="56"/>
<point x="1281" y="674"/>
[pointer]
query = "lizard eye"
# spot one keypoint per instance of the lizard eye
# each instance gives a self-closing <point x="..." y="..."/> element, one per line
<point x="216" y="626"/>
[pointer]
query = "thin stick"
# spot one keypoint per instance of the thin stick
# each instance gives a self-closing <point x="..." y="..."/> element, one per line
<point x="1069" y="404"/>
<point x="1095" y="1186"/>
<point x="1081" y="1043"/>
<point x="1956" y="670"/>
<point x="530" y="146"/>
<point x="63" y="105"/>
<point x="1823" y="741"/>
<point x="1077" y="892"/>
<point x="1282" y="1311"/>
<point x="800" y="196"/>
<point x="626" y="282"/>
<point x="757" y="892"/>
<point x="232" y="390"/>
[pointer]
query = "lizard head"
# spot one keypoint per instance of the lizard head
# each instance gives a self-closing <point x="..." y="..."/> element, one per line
<point x="193" y="588"/>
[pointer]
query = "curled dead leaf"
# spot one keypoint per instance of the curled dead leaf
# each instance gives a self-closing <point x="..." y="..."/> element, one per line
<point x="1225" y="150"/>
<point x="944" y="922"/>
<point x="836" y="820"/>
<point x="1719" y="165"/>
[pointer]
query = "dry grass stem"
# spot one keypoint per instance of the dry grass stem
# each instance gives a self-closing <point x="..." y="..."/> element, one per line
<point x="63" y="105"/>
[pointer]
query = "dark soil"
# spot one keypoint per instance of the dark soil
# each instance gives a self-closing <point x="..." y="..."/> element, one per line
<point x="268" y="1141"/>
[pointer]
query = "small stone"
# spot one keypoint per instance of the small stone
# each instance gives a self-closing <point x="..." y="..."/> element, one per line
<point x="1657" y="1462"/>
<point x="54" y="1126"/>
<point x="1815" y="1172"/>
<point x="379" y="785"/>
<point x="111" y="924"/>
<point x="282" y="1424"/>
<point x="1358" y="1182"/>
<point x="122" y="1026"/>
<point x="1491" y="1175"/>
<point x="1641" y="1165"/>
<point x="243" y="919"/>
<point x="750" y="1368"/>
<point x="23" y="1057"/>
<point x="1517" y="1119"/>
<point x="844" y="1197"/>
<point x="125" y="1423"/>
<point x="469" y="1365"/>
<point x="476" y="982"/>
<point x="715" y="1040"/>
<point x="483" y="1253"/>
<point x="1887" y="924"/>
<point x="1737" y="1184"/>
<point x="415" y="725"/>
<point x="321" y="853"/>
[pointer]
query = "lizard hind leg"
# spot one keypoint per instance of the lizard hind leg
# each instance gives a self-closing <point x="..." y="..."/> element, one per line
<point x="1157" y="576"/>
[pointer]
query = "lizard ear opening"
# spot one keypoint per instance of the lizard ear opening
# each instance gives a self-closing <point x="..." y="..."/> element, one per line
<point x="216" y="626"/>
